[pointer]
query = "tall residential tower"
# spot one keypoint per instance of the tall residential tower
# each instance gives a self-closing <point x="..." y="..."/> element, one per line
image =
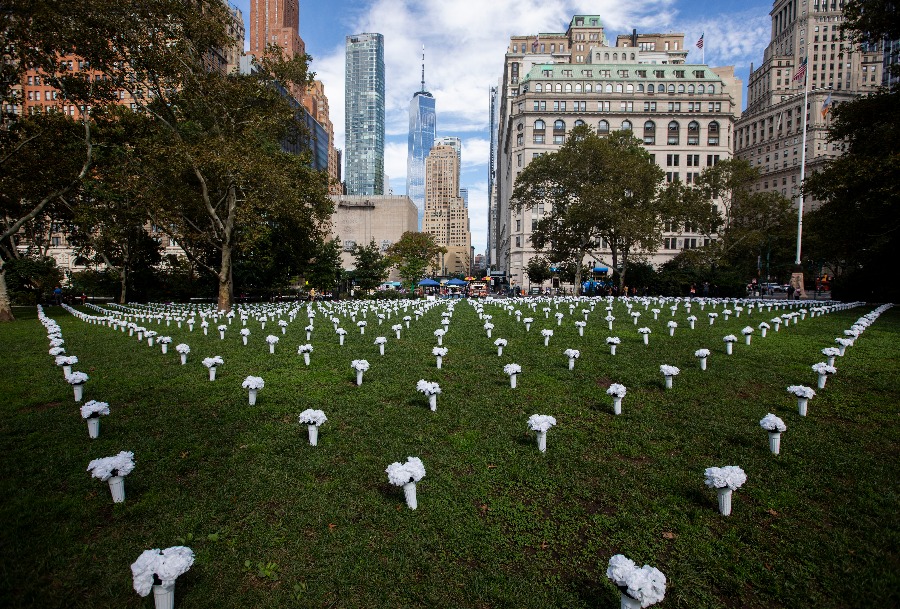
<point x="446" y="217"/>
<point x="421" y="138"/>
<point x="364" y="116"/>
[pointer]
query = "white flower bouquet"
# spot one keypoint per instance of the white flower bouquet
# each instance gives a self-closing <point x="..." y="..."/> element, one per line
<point x="254" y="384"/>
<point x="381" y="341"/>
<point x="54" y="351"/>
<point x="439" y="333"/>
<point x="546" y="333"/>
<point x="729" y="343"/>
<point x="803" y="394"/>
<point x="212" y="363"/>
<point x="528" y="321"/>
<point x="57" y="342"/>
<point x="512" y="370"/>
<point x="540" y="423"/>
<point x="397" y="328"/>
<point x="159" y="569"/>
<point x="617" y="392"/>
<point x="613" y="342"/>
<point x="431" y="390"/>
<point x="669" y="372"/>
<point x="360" y="365"/>
<point x="91" y="412"/>
<point x="763" y="328"/>
<point x="775" y="427"/>
<point x="313" y="419"/>
<point x="183" y="350"/>
<point x="712" y="317"/>
<point x="702" y="354"/>
<point x="692" y="319"/>
<point x="362" y="326"/>
<point x="831" y="353"/>
<point x="66" y="361"/>
<point x="644" y="586"/>
<point x="725" y="480"/>
<point x="747" y="331"/>
<point x="407" y="475"/>
<point x="672" y="325"/>
<point x="823" y="370"/>
<point x="112" y="470"/>
<point x="283" y="325"/>
<point x="77" y="380"/>
<point x="221" y="328"/>
<point x="500" y="343"/>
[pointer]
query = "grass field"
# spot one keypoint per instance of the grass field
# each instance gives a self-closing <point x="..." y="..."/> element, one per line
<point x="275" y="522"/>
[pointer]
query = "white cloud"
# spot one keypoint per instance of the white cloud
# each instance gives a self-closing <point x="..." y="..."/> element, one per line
<point x="737" y="38"/>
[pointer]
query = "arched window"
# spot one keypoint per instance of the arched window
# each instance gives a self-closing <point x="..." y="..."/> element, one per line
<point x="672" y="138"/>
<point x="671" y="88"/>
<point x="691" y="89"/>
<point x="681" y="88"/>
<point x="712" y="89"/>
<point x="578" y="87"/>
<point x="558" y="88"/>
<point x="713" y="133"/>
<point x="579" y="122"/>
<point x="588" y="88"/>
<point x="603" y="128"/>
<point x="559" y="125"/>
<point x="539" y="125"/>
<point x="618" y="87"/>
<point x="538" y="88"/>
<point x="629" y="88"/>
<point x="701" y="89"/>
<point x="626" y="125"/>
<point x="650" y="132"/>
<point x="606" y="56"/>
<point x="632" y="57"/>
<point x="615" y="57"/>
<point x="640" y="88"/>
<point x="608" y="88"/>
<point x="538" y="134"/>
<point x="559" y="131"/>
<point x="651" y="88"/>
<point x="568" y="88"/>
<point x="693" y="133"/>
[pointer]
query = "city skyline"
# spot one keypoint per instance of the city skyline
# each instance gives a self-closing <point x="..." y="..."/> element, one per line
<point x="469" y="42"/>
<point x="422" y="124"/>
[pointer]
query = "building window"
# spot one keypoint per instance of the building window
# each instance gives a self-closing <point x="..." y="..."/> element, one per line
<point x="713" y="133"/>
<point x="650" y="132"/>
<point x="673" y="137"/>
<point x="693" y="138"/>
<point x="672" y="160"/>
<point x="626" y="125"/>
<point x="603" y="128"/>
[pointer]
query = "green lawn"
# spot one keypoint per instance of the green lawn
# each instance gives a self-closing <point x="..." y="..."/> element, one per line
<point x="275" y="522"/>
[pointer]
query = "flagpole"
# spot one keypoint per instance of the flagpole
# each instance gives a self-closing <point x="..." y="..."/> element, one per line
<point x="802" y="161"/>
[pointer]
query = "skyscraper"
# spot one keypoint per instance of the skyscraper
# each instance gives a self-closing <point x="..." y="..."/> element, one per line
<point x="275" y="22"/>
<point x="364" y="116"/>
<point x="446" y="217"/>
<point x="421" y="138"/>
<point x="456" y="144"/>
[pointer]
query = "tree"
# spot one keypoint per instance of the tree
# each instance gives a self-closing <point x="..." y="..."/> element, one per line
<point x="371" y="267"/>
<point x="538" y="270"/>
<point x="413" y="253"/>
<point x="32" y="278"/>
<point x="324" y="270"/>
<point x="593" y="189"/>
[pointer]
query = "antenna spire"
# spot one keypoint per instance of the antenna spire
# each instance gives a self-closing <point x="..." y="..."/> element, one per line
<point x="423" y="67"/>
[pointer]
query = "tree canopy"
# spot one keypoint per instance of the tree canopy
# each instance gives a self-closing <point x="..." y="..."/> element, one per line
<point x="413" y="254"/>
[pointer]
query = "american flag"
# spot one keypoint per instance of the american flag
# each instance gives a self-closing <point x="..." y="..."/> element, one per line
<point x="700" y="42"/>
<point x="801" y="71"/>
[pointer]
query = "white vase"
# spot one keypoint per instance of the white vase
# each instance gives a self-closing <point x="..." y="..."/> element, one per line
<point x="93" y="424"/>
<point x="407" y="325"/>
<point x="777" y="327"/>
<point x="409" y="491"/>
<point x="580" y="330"/>
<point x="610" y="326"/>
<point x="499" y="351"/>
<point x="79" y="391"/>
<point x="571" y="363"/>
<point x="212" y="373"/>
<point x="381" y="348"/>
<point x="283" y="330"/>
<point x="165" y="348"/>
<point x="725" y="501"/>
<point x="272" y="348"/>
<point x="842" y="348"/>
<point x="306" y="358"/>
<point x="164" y="596"/>
<point x="801" y="406"/>
<point x="612" y="349"/>
<point x="183" y="358"/>
<point x="546" y="341"/>
<point x="617" y="405"/>
<point x="308" y="336"/>
<point x="775" y="442"/>
<point x="362" y="329"/>
<point x="671" y="331"/>
<point x="244" y="339"/>
<point x="398" y="335"/>
<point x="763" y="331"/>
<point x="117" y="488"/>
<point x="668" y="382"/>
<point x="629" y="603"/>
<point x="432" y="402"/>
<point x="150" y="341"/>
<point x="702" y="363"/>
<point x="692" y="324"/>
<point x="822" y="379"/>
<point x="440" y="361"/>
<point x="190" y="327"/>
<point x="729" y="348"/>
<point x="542" y="441"/>
<point x="512" y="380"/>
<point x="646" y="339"/>
<point x="440" y="340"/>
<point x="222" y="334"/>
<point x="341" y="339"/>
<point x="313" y="434"/>
<point x="489" y="333"/>
<point x="359" y="375"/>
<point x="253" y="393"/>
<point x="712" y="320"/>
<point x="67" y="370"/>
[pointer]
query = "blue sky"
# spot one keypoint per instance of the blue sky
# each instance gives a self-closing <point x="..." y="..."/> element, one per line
<point x="464" y="45"/>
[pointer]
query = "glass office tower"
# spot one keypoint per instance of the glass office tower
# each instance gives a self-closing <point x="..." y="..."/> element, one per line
<point x="364" y="116"/>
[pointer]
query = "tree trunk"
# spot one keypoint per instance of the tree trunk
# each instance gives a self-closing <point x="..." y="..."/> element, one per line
<point x="578" y="261"/>
<point x="624" y="269"/>
<point x="225" y="293"/>
<point x="123" y="278"/>
<point x="6" y="313"/>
